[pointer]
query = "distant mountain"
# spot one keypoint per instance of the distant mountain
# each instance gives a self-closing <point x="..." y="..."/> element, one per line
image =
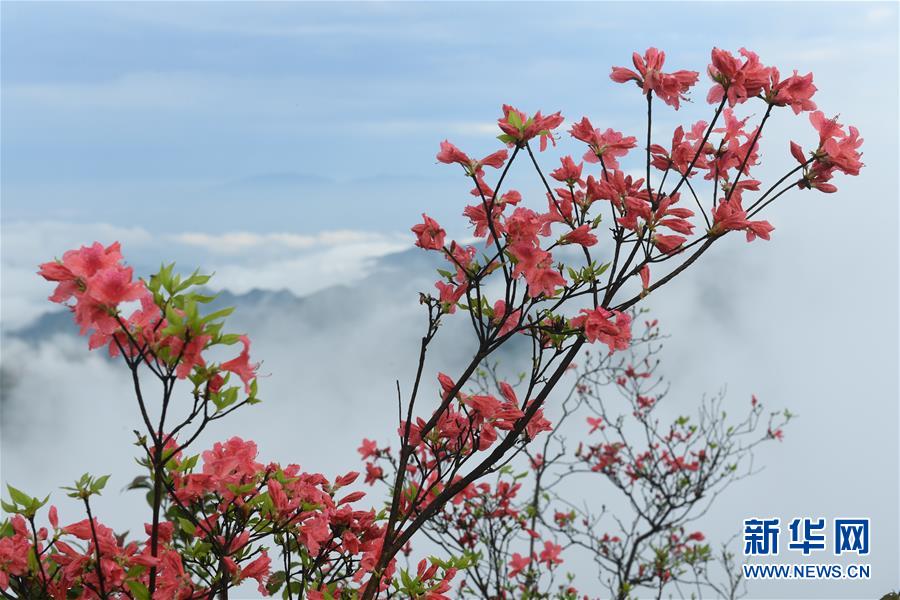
<point x="278" y="179"/>
<point x="395" y="278"/>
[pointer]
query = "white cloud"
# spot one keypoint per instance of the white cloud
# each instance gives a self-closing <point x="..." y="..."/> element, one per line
<point x="242" y="260"/>
<point x="242" y="241"/>
<point x="311" y="272"/>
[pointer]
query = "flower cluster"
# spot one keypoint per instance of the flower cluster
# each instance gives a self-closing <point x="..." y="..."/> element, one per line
<point x="166" y="330"/>
<point x="86" y="558"/>
<point x="239" y="497"/>
<point x="217" y="516"/>
<point x="837" y="151"/>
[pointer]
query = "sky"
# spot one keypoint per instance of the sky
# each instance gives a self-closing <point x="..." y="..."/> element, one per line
<point x="291" y="146"/>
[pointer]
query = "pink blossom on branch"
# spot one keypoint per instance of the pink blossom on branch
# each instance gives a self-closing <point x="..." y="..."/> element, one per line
<point x="451" y="154"/>
<point x="735" y="80"/>
<point x="580" y="235"/>
<point x="518" y="128"/>
<point x="670" y="87"/>
<point x="607" y="146"/>
<point x="796" y="91"/>
<point x="612" y="328"/>
<point x="241" y="365"/>
<point x="429" y="235"/>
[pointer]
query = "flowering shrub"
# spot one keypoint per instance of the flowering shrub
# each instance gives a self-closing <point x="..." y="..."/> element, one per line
<point x="518" y="529"/>
<point x="213" y="523"/>
<point x="513" y="285"/>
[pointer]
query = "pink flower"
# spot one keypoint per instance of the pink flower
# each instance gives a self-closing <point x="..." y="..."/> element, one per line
<point x="537" y="424"/>
<point x="258" y="570"/>
<point x="524" y="226"/>
<point x="450" y="294"/>
<point x="795" y="91"/>
<point x="478" y="217"/>
<point x="232" y="462"/>
<point x="797" y="152"/>
<point x="580" y="235"/>
<point x="608" y="145"/>
<point x="735" y="80"/>
<point x="684" y="149"/>
<point x="99" y="283"/>
<point x="645" y="277"/>
<point x="447" y="384"/>
<point x="429" y="234"/>
<point x="518" y="128"/>
<point x="537" y="267"/>
<point x="670" y="87"/>
<point x="569" y="172"/>
<point x="517" y="564"/>
<point x="842" y="153"/>
<point x="729" y="215"/>
<point x="83" y="263"/>
<point x="451" y="154"/>
<point x="373" y="473"/>
<point x="511" y="320"/>
<point x="736" y="192"/>
<point x="550" y="554"/>
<point x="368" y="448"/>
<point x="595" y="423"/>
<point x="241" y="366"/>
<point x="668" y="244"/>
<point x="114" y="285"/>
<point x="599" y="326"/>
<point x="486" y="406"/>
<point x="620" y="189"/>
<point x="191" y="355"/>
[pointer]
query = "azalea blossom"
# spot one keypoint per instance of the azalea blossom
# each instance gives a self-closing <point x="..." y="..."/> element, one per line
<point x="606" y="146"/>
<point x="580" y="235"/>
<point x="509" y="320"/>
<point x="241" y="365"/>
<point x="612" y="328"/>
<point x="670" y="87"/>
<point x="451" y="154"/>
<point x="518" y="128"/>
<point x="569" y="172"/>
<point x="537" y="267"/>
<point x="645" y="277"/>
<point x="429" y="235"/>
<point x="550" y="554"/>
<point x="795" y="91"/>
<point x="517" y="564"/>
<point x="735" y="80"/>
<point x="838" y="151"/>
<point x="595" y="423"/>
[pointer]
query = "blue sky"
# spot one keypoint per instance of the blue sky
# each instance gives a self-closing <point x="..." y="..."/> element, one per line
<point x="191" y="113"/>
<point x="168" y="125"/>
<point x="289" y="145"/>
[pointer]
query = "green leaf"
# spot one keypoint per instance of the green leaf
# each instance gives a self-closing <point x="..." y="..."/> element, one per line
<point x="99" y="484"/>
<point x="19" y="497"/>
<point x="6" y="529"/>
<point x="219" y="314"/>
<point x="186" y="526"/>
<point x="138" y="590"/>
<point x="229" y="339"/>
<point x="276" y="580"/>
